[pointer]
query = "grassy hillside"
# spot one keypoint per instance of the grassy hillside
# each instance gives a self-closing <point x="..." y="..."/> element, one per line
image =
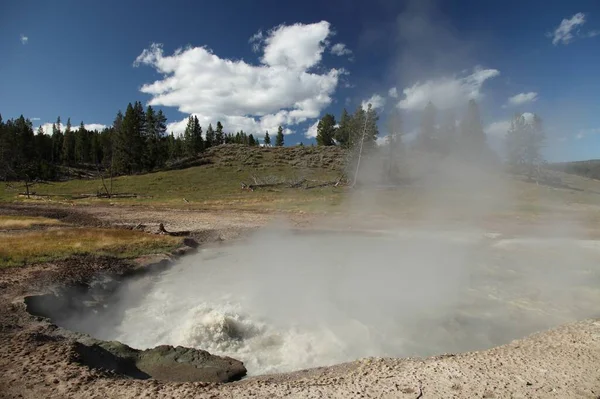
<point x="215" y="182"/>
<point x="589" y="169"/>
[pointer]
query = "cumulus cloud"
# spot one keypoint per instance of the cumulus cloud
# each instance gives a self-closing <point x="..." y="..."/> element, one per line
<point x="522" y="98"/>
<point x="375" y="100"/>
<point x="446" y="92"/>
<point x="568" y="29"/>
<point x="24" y="39"/>
<point x="393" y="92"/>
<point x="340" y="49"/>
<point x="284" y="89"/>
<point x="312" y="130"/>
<point x="586" y="132"/>
<point x="88" y="126"/>
<point x="497" y="129"/>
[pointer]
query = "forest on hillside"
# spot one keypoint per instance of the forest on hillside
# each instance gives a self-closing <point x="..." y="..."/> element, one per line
<point x="138" y="141"/>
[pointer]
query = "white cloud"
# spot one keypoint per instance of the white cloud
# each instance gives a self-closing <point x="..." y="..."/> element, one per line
<point x="381" y="140"/>
<point x="34" y="119"/>
<point x="256" y="41"/>
<point x="523" y="98"/>
<point x="312" y="130"/>
<point x="592" y="33"/>
<point x="24" y="39"/>
<point x="497" y="129"/>
<point x="282" y="90"/>
<point x="586" y="132"/>
<point x="564" y="33"/>
<point x="88" y="126"/>
<point x="446" y="92"/>
<point x="375" y="100"/>
<point x="340" y="49"/>
<point x="393" y="92"/>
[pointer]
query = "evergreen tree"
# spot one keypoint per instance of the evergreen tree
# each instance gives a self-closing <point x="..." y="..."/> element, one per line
<point x="342" y="133"/>
<point x="152" y="139"/>
<point x="210" y="136"/>
<point x="188" y="138"/>
<point x="279" y="138"/>
<point x="57" y="141"/>
<point x="120" y="149"/>
<point x="395" y="147"/>
<point x="155" y="151"/>
<point x="68" y="150"/>
<point x="524" y="142"/>
<point x="267" y="139"/>
<point x="326" y="130"/>
<point x="251" y="141"/>
<point x="363" y="127"/>
<point x="193" y="137"/>
<point x="82" y="148"/>
<point x="197" y="131"/>
<point x="472" y="137"/>
<point x="219" y="137"/>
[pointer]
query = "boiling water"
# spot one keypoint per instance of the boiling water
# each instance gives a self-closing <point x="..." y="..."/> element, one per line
<point x="284" y="301"/>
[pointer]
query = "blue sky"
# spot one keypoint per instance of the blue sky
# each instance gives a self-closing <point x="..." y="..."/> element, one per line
<point x="76" y="59"/>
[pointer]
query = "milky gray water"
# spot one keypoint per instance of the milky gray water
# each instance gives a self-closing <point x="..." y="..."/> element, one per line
<point x="282" y="301"/>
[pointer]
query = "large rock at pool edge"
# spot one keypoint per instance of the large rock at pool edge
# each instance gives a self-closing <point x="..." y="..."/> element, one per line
<point x="170" y="363"/>
<point x="164" y="362"/>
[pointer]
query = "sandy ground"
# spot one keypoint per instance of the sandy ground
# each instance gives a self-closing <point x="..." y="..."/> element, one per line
<point x="560" y="363"/>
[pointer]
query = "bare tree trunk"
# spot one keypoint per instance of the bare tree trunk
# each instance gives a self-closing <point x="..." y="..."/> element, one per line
<point x="27" y="186"/>
<point x="108" y="193"/>
<point x="362" y="140"/>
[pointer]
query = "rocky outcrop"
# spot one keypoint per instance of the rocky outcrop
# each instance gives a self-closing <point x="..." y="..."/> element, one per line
<point x="166" y="363"/>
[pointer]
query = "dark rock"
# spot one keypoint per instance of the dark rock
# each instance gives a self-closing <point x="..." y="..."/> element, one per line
<point x="164" y="362"/>
<point x="185" y="364"/>
<point x="181" y="251"/>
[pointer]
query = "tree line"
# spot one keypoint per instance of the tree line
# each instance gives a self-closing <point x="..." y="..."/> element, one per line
<point x="136" y="142"/>
<point x="438" y="134"/>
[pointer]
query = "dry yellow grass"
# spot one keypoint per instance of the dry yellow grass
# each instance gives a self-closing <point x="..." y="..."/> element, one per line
<point x="38" y="246"/>
<point x="25" y="222"/>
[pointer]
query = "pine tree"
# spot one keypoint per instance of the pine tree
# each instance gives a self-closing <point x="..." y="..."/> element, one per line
<point x="152" y="139"/>
<point x="279" y="138"/>
<point x="82" y="150"/>
<point x="326" y="130"/>
<point x="524" y="142"/>
<point x="57" y="141"/>
<point x="197" y="132"/>
<point x="189" y="138"/>
<point x="395" y="147"/>
<point x="472" y="137"/>
<point x="210" y="136"/>
<point x="68" y="150"/>
<point x="219" y="138"/>
<point x="342" y="133"/>
<point x="119" y="161"/>
<point x="161" y="133"/>
<point x="267" y="139"/>
<point x="251" y="141"/>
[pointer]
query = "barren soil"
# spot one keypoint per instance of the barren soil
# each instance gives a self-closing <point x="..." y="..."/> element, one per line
<point x="560" y="363"/>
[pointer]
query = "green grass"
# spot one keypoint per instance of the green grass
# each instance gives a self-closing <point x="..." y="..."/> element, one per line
<point x="215" y="187"/>
<point x="41" y="246"/>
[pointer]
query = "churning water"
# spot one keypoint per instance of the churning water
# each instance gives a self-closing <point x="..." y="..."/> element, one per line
<point x="282" y="301"/>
